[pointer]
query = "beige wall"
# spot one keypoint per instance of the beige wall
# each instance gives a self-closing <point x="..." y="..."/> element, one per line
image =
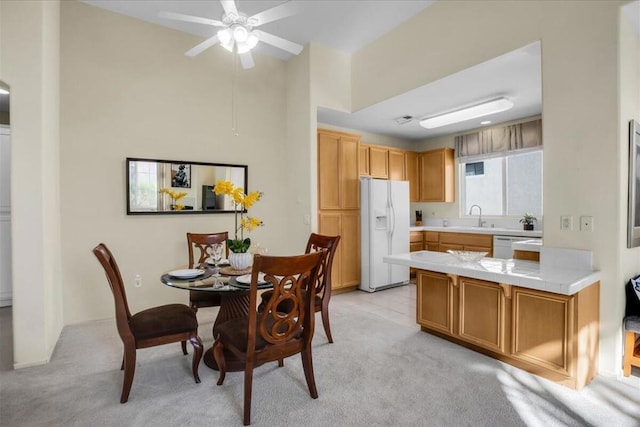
<point x="581" y="128"/>
<point x="629" y="57"/>
<point x="128" y="91"/>
<point x="29" y="64"/>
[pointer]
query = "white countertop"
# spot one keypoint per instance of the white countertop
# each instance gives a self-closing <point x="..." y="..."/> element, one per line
<point x="479" y="230"/>
<point x="526" y="274"/>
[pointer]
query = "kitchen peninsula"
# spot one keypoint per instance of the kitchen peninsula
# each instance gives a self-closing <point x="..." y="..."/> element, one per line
<point x="542" y="317"/>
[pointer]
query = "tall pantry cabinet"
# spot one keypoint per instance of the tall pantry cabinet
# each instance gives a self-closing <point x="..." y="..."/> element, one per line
<point x="339" y="202"/>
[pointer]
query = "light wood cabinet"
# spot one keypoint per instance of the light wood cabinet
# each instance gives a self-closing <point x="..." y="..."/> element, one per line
<point x="364" y="160"/>
<point x="431" y="240"/>
<point x="397" y="165"/>
<point x="411" y="175"/>
<point x="378" y="162"/>
<point x="338" y="176"/>
<point x="437" y="175"/>
<point x="416" y="243"/>
<point x="551" y="335"/>
<point x="542" y="325"/>
<point x="435" y="298"/>
<point x="339" y="202"/>
<point x="346" y="261"/>
<point x="466" y="242"/>
<point x="482" y="313"/>
<point x="526" y="255"/>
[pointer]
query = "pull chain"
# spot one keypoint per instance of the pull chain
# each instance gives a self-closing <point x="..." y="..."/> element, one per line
<point x="234" y="96"/>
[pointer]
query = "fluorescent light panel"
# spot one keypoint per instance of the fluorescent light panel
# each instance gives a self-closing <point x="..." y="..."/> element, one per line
<point x="479" y="110"/>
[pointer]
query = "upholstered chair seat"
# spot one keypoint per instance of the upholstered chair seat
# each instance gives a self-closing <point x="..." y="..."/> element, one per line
<point x="163" y="320"/>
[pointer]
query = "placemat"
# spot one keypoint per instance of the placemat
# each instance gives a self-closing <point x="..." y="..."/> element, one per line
<point x="229" y="271"/>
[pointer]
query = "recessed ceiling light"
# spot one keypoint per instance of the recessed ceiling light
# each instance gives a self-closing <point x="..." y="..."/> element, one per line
<point x="485" y="122"/>
<point x="478" y="110"/>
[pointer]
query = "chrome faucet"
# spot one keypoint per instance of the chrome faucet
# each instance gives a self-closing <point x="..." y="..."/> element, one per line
<point x="479" y="215"/>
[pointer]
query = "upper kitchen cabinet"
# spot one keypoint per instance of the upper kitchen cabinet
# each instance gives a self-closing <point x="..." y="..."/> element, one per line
<point x="437" y="175"/>
<point x="378" y="162"/>
<point x="338" y="176"/>
<point x="364" y="160"/>
<point x="411" y="174"/>
<point x="397" y="169"/>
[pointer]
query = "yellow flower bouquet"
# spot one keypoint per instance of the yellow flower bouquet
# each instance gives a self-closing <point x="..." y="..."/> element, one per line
<point x="241" y="203"/>
<point x="175" y="196"/>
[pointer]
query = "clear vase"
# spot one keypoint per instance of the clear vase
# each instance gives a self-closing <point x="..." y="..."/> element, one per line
<point x="240" y="261"/>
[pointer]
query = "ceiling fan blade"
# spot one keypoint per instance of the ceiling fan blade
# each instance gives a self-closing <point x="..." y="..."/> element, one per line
<point x="202" y="46"/>
<point x="247" y="60"/>
<point x="190" y="18"/>
<point x="229" y="7"/>
<point x="279" y="42"/>
<point x="278" y="12"/>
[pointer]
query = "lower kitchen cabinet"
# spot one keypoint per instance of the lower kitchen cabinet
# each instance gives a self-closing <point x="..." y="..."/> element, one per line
<point x="482" y="313"/>
<point x="552" y="335"/>
<point x="435" y="302"/>
<point x="346" y="262"/>
<point x="466" y="242"/>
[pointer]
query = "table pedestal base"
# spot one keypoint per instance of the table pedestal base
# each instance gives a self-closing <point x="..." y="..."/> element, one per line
<point x="232" y="306"/>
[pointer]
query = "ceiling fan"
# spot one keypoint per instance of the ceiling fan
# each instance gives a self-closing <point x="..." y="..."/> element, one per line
<point x="237" y="30"/>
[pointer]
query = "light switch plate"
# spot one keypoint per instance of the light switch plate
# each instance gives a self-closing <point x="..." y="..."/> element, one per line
<point x="586" y="223"/>
<point x="566" y="222"/>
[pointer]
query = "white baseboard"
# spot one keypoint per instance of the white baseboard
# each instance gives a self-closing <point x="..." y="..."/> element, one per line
<point x="6" y="299"/>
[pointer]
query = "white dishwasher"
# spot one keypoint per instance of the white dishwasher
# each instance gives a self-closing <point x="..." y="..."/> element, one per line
<point x="502" y="246"/>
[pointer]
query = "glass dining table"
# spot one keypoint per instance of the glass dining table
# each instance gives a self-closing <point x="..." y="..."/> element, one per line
<point x="234" y="301"/>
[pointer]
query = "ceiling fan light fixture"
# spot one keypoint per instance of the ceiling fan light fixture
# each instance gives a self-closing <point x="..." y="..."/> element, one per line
<point x="240" y="33"/>
<point x="475" y="111"/>
<point x="225" y="36"/>
<point x="252" y="40"/>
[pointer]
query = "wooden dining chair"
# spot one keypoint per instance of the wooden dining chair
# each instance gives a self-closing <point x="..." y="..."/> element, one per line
<point x="631" y="328"/>
<point x="203" y="243"/>
<point x="318" y="242"/>
<point x="151" y="327"/>
<point x="272" y="334"/>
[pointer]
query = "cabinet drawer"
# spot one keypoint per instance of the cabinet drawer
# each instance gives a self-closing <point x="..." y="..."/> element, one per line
<point x="413" y="247"/>
<point x="485" y="240"/>
<point x="431" y="236"/>
<point x="415" y="237"/>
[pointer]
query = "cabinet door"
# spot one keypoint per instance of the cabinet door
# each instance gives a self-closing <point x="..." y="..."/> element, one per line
<point x="437" y="176"/>
<point x="379" y="162"/>
<point x="350" y="243"/>
<point x="330" y="224"/>
<point x="349" y="175"/>
<point x="541" y="328"/>
<point x="364" y="160"/>
<point x="435" y="247"/>
<point x="328" y="171"/>
<point x="396" y="165"/>
<point x="411" y="175"/>
<point x="482" y="313"/>
<point x="435" y="301"/>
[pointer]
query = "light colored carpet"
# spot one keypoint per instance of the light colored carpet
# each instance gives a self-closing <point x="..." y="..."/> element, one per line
<point x="377" y="373"/>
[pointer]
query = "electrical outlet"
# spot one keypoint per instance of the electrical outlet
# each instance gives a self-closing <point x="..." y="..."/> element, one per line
<point x="566" y="222"/>
<point x="137" y="281"/>
<point x="586" y="223"/>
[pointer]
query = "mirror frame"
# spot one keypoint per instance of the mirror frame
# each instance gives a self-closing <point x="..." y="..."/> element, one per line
<point x="187" y="162"/>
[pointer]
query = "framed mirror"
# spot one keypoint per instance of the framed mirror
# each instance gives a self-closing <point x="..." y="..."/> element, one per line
<point x="633" y="226"/>
<point x="179" y="187"/>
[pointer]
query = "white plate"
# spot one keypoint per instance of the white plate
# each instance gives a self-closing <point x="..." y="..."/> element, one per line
<point x="187" y="273"/>
<point x="246" y="278"/>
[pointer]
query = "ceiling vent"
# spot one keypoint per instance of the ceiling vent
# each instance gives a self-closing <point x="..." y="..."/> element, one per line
<point x="403" y="120"/>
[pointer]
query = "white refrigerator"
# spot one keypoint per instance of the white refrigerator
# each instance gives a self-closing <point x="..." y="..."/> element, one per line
<point x="384" y="221"/>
